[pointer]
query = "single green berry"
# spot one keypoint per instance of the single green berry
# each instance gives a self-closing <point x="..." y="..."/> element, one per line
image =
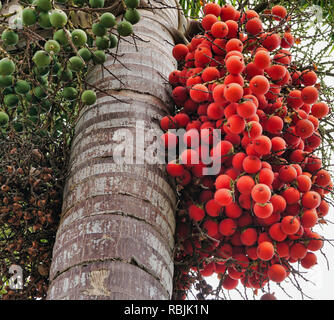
<point x="22" y="87"/>
<point x="65" y="75"/>
<point x="70" y="93"/>
<point x="6" y="81"/>
<point x="58" y="18"/>
<point x="88" y="97"/>
<point x="44" y="5"/>
<point x="99" y="57"/>
<point x="124" y="28"/>
<point x="40" y="92"/>
<point x="113" y="41"/>
<point x="3" y="119"/>
<point x="108" y="20"/>
<point x="76" y="63"/>
<point x="41" y="58"/>
<point x="9" y="37"/>
<point x="79" y="37"/>
<point x="7" y="67"/>
<point x="29" y="16"/>
<point x="60" y="36"/>
<point x="44" y="20"/>
<point x="132" y="15"/>
<point x="85" y="54"/>
<point x="96" y="3"/>
<point x="11" y="100"/>
<point x="98" y="29"/>
<point x="52" y="46"/>
<point x="132" y="3"/>
<point x="102" y="43"/>
<point x="41" y="71"/>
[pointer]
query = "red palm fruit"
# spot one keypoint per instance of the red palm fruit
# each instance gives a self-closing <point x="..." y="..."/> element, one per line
<point x="283" y="249"/>
<point x="265" y="250"/>
<point x="245" y="184"/>
<point x="252" y="70"/>
<point x="290" y="224"/>
<point x="227" y="227"/>
<point x="180" y="51"/>
<point x="223" y="197"/>
<point x="182" y="119"/>
<point x="259" y="85"/>
<point x="238" y="159"/>
<point x="228" y="12"/>
<point x="211" y="227"/>
<point x="196" y="213"/>
<point x="215" y="111"/>
<point x="233" y="211"/>
<point x="278" y="146"/>
<point x="246" y="219"/>
<point x="208" y="270"/>
<point x="283" y="57"/>
<point x="232" y="28"/>
<point x="234" y="78"/>
<point x="234" y="45"/>
<point x="248" y="237"/>
<point x="270" y="41"/>
<point x="287" y="173"/>
<point x="213" y="209"/>
<point x="253" y="130"/>
<point x="262" y="59"/>
<point x="254" y="26"/>
<point x="309" y="260"/>
<point x="246" y="109"/>
<point x="308" y="78"/>
<point x="309" y="95"/>
<point x="298" y="251"/>
<point x="241" y="261"/>
<point x="314" y="120"/>
<point x="233" y="92"/>
<point x="262" y="145"/>
<point x="184" y="179"/>
<point x="234" y="274"/>
<point x="276" y="233"/>
<point x="174" y="77"/>
<point x="309" y="218"/>
<point x="220" y="268"/>
<point x="169" y="140"/>
<point x="203" y="56"/>
<point x="245" y="201"/>
<point x="219" y="29"/>
<point x="180" y="94"/>
<point x="323" y="178"/>
<point x="266" y="176"/>
<point x="167" y="122"/>
<point x="279" y="11"/>
<point x="222" y="149"/>
<point x="199" y="93"/>
<point x="261" y="193"/>
<point x="175" y="169"/>
<point x="225" y="251"/>
<point x="276" y="72"/>
<point x="263" y="210"/>
<point x="189" y="157"/>
<point x="288" y="40"/>
<point x="291" y="195"/>
<point x="193" y="80"/>
<point x="304" y="183"/>
<point x="212" y="8"/>
<point x="209" y="74"/>
<point x="229" y="284"/>
<point x="276" y="273"/>
<point x="268" y="296"/>
<point x="263" y="236"/>
<point x="251" y="253"/>
<point x="323" y="209"/>
<point x="236" y="124"/>
<point x="223" y="181"/>
<point x="315" y="241"/>
<point x="218" y="47"/>
<point x="208" y="20"/>
<point x="320" y="110"/>
<point x="235" y="65"/>
<point x="311" y="200"/>
<point x="218" y="93"/>
<point x="251" y="164"/>
<point x="313" y="163"/>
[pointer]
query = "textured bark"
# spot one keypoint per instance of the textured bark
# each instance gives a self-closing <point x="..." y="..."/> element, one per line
<point x="115" y="239"/>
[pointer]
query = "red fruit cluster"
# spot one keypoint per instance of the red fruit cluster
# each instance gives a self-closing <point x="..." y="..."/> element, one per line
<point x="252" y="220"/>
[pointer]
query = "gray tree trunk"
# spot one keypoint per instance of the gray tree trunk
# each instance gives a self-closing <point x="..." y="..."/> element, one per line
<point x="116" y="235"/>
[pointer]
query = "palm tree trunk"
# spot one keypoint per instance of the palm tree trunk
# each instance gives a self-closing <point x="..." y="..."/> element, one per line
<point x="116" y="235"/>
